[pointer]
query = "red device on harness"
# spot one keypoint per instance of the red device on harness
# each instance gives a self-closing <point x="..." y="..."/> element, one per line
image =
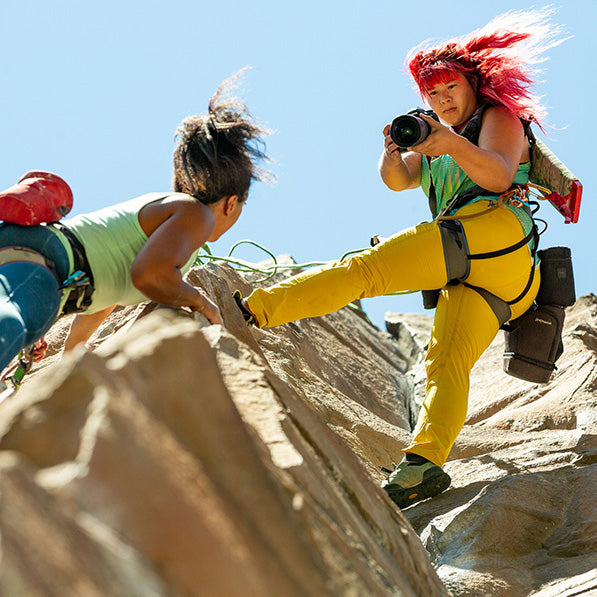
<point x="39" y="197"/>
<point x="560" y="187"/>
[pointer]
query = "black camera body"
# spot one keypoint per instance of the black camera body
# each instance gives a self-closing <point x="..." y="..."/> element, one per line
<point x="409" y="129"/>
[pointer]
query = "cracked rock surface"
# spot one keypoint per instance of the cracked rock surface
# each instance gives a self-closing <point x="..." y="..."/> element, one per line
<point x="174" y="458"/>
<point x="177" y="459"/>
<point x="521" y="515"/>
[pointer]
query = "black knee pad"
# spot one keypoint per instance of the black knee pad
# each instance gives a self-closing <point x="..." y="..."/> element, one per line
<point x="457" y="258"/>
<point x="455" y="250"/>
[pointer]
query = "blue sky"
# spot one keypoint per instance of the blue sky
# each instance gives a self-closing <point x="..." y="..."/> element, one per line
<point x="95" y="91"/>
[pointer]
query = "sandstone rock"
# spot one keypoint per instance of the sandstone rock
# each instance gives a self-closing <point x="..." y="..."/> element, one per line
<point x="412" y="332"/>
<point x="521" y="515"/>
<point x="177" y="458"/>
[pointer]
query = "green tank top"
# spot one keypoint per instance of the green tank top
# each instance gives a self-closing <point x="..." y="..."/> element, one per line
<point x="112" y="238"/>
<point x="449" y="179"/>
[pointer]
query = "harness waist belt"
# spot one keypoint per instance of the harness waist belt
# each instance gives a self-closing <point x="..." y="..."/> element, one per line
<point x="80" y="296"/>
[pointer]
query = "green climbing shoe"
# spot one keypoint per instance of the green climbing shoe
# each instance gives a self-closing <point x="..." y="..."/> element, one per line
<point x="411" y="482"/>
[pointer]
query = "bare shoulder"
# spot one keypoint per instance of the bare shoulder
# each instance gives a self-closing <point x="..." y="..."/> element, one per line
<point x="179" y="206"/>
<point x="502" y="132"/>
<point x="497" y="118"/>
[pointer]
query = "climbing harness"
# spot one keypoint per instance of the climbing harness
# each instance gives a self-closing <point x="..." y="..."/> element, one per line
<point x="79" y="289"/>
<point x="80" y="283"/>
<point x="42" y="198"/>
<point x="456" y="251"/>
<point x="533" y="341"/>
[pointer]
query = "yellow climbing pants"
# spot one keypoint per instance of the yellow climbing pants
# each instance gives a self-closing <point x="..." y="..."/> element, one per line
<point x="464" y="324"/>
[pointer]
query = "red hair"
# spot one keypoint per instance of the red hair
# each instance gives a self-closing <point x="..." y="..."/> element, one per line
<point x="496" y="60"/>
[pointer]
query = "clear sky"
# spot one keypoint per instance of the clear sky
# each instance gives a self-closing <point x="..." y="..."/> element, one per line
<point x="94" y="91"/>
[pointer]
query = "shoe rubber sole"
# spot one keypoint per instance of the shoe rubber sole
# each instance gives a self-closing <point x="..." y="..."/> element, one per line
<point x="430" y="487"/>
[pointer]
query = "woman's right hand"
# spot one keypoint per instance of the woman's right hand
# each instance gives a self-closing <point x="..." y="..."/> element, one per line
<point x="207" y="307"/>
<point x="399" y="171"/>
<point x="391" y="151"/>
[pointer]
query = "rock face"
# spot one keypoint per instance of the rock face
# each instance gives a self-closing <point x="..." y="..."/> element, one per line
<point x="521" y="515"/>
<point x="181" y="459"/>
<point x="176" y="459"/>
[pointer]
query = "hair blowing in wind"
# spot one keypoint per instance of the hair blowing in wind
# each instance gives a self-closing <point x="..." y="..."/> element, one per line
<point x="499" y="60"/>
<point x="217" y="153"/>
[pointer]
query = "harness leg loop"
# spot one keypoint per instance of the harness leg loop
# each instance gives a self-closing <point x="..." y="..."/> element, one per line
<point x="458" y="260"/>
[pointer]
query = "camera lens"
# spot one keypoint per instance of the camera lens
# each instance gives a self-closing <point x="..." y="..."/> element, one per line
<point x="408" y="130"/>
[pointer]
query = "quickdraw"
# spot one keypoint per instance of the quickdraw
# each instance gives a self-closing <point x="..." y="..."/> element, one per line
<point x="517" y="196"/>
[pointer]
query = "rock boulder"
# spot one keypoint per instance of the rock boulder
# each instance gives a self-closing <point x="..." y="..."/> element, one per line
<point x="177" y="458"/>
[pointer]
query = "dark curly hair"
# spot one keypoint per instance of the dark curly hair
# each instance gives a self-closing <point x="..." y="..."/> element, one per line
<point x="216" y="153"/>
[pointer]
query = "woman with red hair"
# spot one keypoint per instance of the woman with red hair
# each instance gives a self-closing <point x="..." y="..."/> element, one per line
<point x="480" y="247"/>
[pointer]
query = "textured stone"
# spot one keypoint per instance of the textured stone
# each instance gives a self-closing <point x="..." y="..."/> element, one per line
<point x="176" y="458"/>
<point x="521" y="515"/>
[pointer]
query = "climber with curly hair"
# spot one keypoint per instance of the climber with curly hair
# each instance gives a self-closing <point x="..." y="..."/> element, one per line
<point x="137" y="250"/>
<point x="479" y="250"/>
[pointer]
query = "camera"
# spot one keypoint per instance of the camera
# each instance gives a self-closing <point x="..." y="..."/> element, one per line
<point x="408" y="129"/>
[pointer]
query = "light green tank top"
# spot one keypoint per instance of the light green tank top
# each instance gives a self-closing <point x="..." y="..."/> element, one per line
<point x="112" y="238"/>
<point x="449" y="180"/>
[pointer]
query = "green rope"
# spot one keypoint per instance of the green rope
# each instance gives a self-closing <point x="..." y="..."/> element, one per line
<point x="269" y="271"/>
<point x="252" y="242"/>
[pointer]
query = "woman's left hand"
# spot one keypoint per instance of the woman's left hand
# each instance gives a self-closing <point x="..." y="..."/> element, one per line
<point x="438" y="142"/>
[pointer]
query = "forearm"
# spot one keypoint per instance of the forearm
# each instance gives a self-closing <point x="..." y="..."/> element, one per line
<point x="486" y="168"/>
<point x="166" y="288"/>
<point x="169" y="288"/>
<point x="395" y="173"/>
<point x="83" y="327"/>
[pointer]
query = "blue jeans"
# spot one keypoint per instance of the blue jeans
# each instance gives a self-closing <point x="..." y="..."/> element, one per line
<point x="30" y="296"/>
